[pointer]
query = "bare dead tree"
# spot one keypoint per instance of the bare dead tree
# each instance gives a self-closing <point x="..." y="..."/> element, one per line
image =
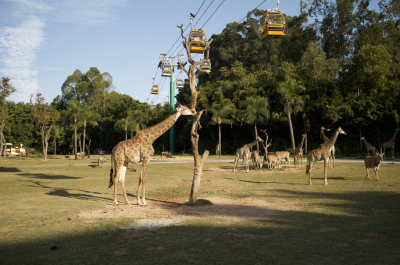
<point x="194" y="136"/>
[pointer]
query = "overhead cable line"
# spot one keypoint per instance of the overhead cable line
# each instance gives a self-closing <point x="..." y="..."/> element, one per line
<point x="253" y="10"/>
<point x="213" y="13"/>
<point x="175" y="48"/>
<point x="186" y="27"/>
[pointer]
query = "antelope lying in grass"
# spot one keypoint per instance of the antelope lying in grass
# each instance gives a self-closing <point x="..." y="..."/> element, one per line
<point x="373" y="162"/>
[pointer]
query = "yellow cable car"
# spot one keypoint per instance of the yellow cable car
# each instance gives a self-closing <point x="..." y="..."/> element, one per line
<point x="206" y="66"/>
<point x="179" y="83"/>
<point x="197" y="41"/>
<point x="272" y="24"/>
<point x="154" y="89"/>
<point x="166" y="70"/>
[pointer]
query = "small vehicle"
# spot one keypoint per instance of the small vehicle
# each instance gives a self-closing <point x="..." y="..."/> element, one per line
<point x="17" y="151"/>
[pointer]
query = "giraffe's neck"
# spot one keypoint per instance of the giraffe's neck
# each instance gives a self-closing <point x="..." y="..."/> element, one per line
<point x="160" y="128"/>
<point x="250" y="145"/>
<point x="326" y="139"/>
<point x="394" y="136"/>
<point x="301" y="143"/>
<point x="365" y="142"/>
<point x="333" y="138"/>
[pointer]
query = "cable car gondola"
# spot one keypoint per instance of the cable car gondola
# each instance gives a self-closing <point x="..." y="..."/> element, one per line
<point x="272" y="24"/>
<point x="205" y="66"/>
<point x="179" y="83"/>
<point x="166" y="70"/>
<point x="154" y="89"/>
<point x="197" y="41"/>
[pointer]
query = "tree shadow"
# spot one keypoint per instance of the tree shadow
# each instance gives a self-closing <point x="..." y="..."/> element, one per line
<point x="71" y="193"/>
<point x="46" y="176"/>
<point x="82" y="196"/>
<point x="9" y="169"/>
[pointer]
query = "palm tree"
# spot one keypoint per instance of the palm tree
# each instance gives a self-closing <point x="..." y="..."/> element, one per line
<point x="292" y="95"/>
<point x="56" y="133"/>
<point x="255" y="109"/>
<point x="87" y="115"/>
<point x="72" y="115"/>
<point x="221" y="114"/>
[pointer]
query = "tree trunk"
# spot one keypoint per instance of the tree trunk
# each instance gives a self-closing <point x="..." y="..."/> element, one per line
<point x="219" y="138"/>
<point x="198" y="161"/>
<point x="126" y="133"/>
<point x="256" y="134"/>
<point x="88" y="148"/>
<point x="75" y="139"/>
<point x="84" y="138"/>
<point x="2" y="141"/>
<point x="55" y="146"/>
<point x="291" y="130"/>
<point x="45" y="140"/>
<point x="43" y="146"/>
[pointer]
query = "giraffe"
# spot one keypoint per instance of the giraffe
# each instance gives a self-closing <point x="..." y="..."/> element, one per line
<point x="298" y="152"/>
<point x="322" y="152"/>
<point x="390" y="143"/>
<point x="369" y="146"/>
<point x="138" y="149"/>
<point x="326" y="139"/>
<point x="244" y="153"/>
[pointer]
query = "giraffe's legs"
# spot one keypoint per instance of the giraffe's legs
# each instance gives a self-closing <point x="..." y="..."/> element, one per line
<point x="367" y="176"/>
<point x="235" y="163"/>
<point x="142" y="181"/>
<point x="308" y="169"/>
<point x="117" y="166"/>
<point x="122" y="181"/>
<point x="326" y="161"/>
<point x="246" y="163"/>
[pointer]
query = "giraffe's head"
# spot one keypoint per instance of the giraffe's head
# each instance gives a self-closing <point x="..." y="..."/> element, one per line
<point x="340" y="130"/>
<point x="183" y="110"/>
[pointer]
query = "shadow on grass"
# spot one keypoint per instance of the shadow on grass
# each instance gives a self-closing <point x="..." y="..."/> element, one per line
<point x="46" y="176"/>
<point x="72" y="193"/>
<point x="9" y="169"/>
<point x="365" y="232"/>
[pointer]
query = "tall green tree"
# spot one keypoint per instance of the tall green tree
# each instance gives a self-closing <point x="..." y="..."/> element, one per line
<point x="46" y="116"/>
<point x="292" y="95"/>
<point x="6" y="89"/>
<point x="72" y="115"/>
<point x="255" y="109"/>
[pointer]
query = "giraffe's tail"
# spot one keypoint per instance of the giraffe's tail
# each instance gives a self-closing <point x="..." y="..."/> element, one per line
<point x="111" y="183"/>
<point x="307" y="169"/>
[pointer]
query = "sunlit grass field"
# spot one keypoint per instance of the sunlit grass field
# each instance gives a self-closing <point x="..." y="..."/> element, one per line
<point x="350" y="221"/>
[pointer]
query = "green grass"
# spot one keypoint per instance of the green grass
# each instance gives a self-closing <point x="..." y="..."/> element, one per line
<point x="350" y="221"/>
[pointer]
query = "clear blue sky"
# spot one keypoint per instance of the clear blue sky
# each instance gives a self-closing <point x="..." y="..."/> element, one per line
<point x="44" y="41"/>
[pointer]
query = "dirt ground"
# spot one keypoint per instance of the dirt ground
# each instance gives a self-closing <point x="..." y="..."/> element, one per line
<point x="161" y="213"/>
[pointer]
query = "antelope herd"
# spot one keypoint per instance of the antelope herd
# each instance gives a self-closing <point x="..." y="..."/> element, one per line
<point x="325" y="152"/>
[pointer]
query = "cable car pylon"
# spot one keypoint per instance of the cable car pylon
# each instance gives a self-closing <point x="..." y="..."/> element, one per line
<point x="168" y="70"/>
